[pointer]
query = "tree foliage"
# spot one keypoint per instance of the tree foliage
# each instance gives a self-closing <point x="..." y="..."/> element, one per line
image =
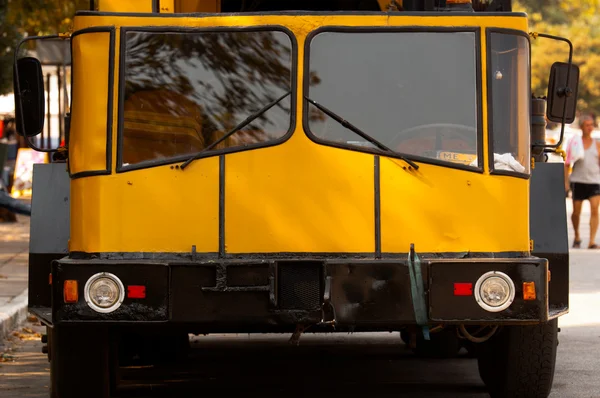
<point x="9" y="35"/>
<point x="228" y="75"/>
<point x="19" y="18"/>
<point x="43" y="17"/>
<point x="579" y="21"/>
<point x="247" y="67"/>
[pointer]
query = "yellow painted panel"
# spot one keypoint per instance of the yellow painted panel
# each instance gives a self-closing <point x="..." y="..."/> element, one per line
<point x="150" y="210"/>
<point x="125" y="5"/>
<point x="299" y="197"/>
<point x="303" y="24"/>
<point x="447" y="210"/>
<point x="89" y="122"/>
<point x="167" y="6"/>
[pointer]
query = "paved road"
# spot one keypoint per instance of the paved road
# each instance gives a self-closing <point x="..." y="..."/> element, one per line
<point x="373" y="365"/>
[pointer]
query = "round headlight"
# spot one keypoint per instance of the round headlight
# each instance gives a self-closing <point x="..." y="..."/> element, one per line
<point x="494" y="291"/>
<point x="104" y="292"/>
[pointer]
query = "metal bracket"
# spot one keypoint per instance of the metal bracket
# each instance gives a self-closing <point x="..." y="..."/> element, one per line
<point x="417" y="291"/>
<point x="327" y="292"/>
<point x="273" y="284"/>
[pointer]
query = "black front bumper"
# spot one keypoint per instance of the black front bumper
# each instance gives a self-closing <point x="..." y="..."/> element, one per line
<point x="272" y="294"/>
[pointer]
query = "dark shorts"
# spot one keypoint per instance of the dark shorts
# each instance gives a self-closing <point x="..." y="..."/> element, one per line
<point x="584" y="191"/>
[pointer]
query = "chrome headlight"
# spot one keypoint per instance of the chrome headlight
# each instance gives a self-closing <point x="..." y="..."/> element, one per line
<point x="104" y="292"/>
<point x="494" y="291"/>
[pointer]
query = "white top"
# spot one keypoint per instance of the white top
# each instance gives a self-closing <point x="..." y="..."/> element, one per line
<point x="587" y="170"/>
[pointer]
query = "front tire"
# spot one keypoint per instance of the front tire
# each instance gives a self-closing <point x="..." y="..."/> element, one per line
<point x="520" y="361"/>
<point x="80" y="362"/>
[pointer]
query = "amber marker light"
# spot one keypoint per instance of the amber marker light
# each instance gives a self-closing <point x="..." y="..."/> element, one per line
<point x="529" y="291"/>
<point x="70" y="291"/>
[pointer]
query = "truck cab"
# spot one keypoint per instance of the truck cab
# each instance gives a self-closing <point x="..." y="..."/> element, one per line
<point x="268" y="167"/>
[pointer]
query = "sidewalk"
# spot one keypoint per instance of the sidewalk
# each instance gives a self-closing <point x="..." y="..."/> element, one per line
<point x="14" y="253"/>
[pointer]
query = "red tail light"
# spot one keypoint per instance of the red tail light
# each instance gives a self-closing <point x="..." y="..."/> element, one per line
<point x="463" y="289"/>
<point x="136" y="292"/>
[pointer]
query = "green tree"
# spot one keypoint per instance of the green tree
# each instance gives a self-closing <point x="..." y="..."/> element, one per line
<point x="9" y="36"/>
<point x="578" y="21"/>
<point x="44" y="17"/>
<point x="19" y="18"/>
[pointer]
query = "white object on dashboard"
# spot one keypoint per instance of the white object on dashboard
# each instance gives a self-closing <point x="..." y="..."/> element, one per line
<point x="504" y="161"/>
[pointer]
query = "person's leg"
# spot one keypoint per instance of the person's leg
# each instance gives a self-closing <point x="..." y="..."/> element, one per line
<point x="578" y="195"/>
<point x="594" y="202"/>
<point x="577" y="204"/>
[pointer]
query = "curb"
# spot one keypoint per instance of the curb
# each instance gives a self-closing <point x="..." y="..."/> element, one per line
<point x="13" y="313"/>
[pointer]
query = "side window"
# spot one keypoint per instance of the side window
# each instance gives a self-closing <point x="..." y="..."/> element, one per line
<point x="509" y="102"/>
<point x="183" y="91"/>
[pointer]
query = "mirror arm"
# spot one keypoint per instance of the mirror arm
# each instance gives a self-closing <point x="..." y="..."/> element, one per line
<point x="16" y="69"/>
<point x="567" y="91"/>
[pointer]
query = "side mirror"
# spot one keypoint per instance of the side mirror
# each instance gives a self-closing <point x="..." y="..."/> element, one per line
<point x="562" y="94"/>
<point x="28" y="81"/>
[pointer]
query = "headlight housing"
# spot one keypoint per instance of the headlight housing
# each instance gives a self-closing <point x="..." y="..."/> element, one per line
<point x="104" y="292"/>
<point x="494" y="291"/>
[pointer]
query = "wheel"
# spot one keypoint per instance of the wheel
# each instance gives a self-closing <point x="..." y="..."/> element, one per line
<point x="80" y="362"/>
<point x="520" y="361"/>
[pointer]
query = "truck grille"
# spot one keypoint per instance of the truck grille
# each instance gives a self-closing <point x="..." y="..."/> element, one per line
<point x="299" y="285"/>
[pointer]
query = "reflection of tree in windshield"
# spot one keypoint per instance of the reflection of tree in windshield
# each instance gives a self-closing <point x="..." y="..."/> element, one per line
<point x="215" y="79"/>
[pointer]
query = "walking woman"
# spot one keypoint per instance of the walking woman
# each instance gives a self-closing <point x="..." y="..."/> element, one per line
<point x="584" y="179"/>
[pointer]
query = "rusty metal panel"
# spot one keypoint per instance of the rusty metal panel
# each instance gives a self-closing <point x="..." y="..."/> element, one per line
<point x="369" y="293"/>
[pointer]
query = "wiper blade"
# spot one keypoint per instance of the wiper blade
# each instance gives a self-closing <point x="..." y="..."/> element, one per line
<point x="237" y="128"/>
<point x="361" y="133"/>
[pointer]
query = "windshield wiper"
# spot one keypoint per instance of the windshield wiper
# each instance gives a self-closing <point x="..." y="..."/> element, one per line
<point x="361" y="133"/>
<point x="237" y="128"/>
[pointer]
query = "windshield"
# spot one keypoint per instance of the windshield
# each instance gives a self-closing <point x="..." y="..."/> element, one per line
<point x="508" y="79"/>
<point x="415" y="92"/>
<point x="183" y="91"/>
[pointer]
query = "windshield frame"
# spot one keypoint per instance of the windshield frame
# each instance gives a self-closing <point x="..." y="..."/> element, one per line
<point x="476" y="30"/>
<point x="120" y="168"/>
<point x="490" y="105"/>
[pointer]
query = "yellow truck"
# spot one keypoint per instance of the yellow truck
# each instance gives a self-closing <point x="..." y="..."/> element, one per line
<point x="269" y="166"/>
